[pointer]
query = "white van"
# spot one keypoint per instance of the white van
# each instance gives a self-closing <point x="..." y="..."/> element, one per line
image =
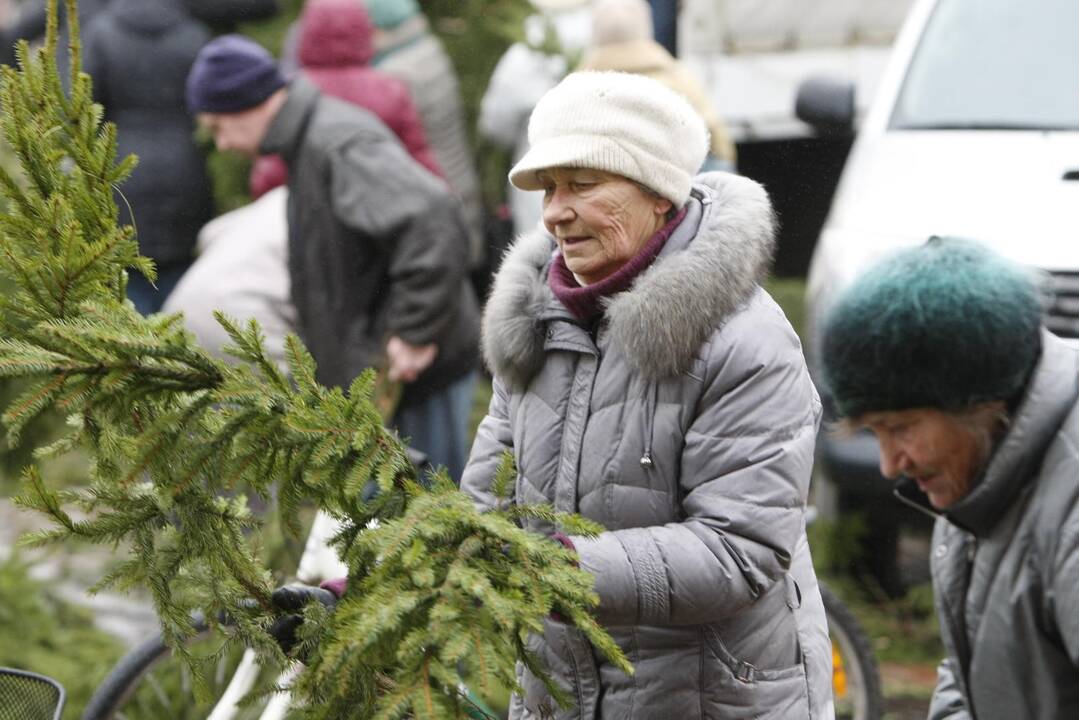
<point x="973" y="132"/>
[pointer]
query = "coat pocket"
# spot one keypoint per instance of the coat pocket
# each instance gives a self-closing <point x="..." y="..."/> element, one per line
<point x="733" y="689"/>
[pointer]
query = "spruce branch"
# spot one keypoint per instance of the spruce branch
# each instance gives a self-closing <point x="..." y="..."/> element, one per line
<point x="438" y="591"/>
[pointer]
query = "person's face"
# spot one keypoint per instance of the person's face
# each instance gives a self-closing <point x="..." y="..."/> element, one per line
<point x="240" y="132"/>
<point x="600" y="220"/>
<point x="942" y="453"/>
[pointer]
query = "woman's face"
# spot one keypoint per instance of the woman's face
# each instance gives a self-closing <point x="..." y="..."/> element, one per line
<point x="939" y="451"/>
<point x="600" y="220"/>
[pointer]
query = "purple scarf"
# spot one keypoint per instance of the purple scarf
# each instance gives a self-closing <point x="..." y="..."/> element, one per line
<point x="585" y="302"/>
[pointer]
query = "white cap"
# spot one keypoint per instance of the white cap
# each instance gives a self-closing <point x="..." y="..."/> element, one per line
<point x="622" y="123"/>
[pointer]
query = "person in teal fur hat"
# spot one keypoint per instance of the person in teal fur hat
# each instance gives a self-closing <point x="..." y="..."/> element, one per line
<point x="948" y="324"/>
<point x="940" y="352"/>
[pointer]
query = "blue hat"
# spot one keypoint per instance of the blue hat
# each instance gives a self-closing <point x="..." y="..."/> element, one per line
<point x="947" y="325"/>
<point x="231" y="74"/>
<point x="388" y="14"/>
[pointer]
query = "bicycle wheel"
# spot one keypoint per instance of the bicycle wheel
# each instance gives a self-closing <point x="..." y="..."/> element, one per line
<point x="855" y="677"/>
<point x="149" y="683"/>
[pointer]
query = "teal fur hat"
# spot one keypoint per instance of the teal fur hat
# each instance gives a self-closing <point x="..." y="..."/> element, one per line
<point x="946" y="325"/>
<point x="388" y="14"/>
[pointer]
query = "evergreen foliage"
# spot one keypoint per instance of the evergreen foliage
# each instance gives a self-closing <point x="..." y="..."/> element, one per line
<point x="40" y="631"/>
<point x="436" y="588"/>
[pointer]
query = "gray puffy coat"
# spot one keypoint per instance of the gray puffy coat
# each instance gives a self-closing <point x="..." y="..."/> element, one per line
<point x="686" y="428"/>
<point x="1006" y="564"/>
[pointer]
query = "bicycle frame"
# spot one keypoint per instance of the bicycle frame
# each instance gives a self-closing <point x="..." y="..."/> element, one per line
<point x="318" y="562"/>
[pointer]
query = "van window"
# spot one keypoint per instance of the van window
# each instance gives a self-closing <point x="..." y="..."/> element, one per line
<point x="994" y="64"/>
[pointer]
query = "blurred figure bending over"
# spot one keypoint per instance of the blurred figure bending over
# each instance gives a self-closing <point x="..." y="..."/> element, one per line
<point x="622" y="40"/>
<point x="335" y="46"/>
<point x="377" y="250"/>
<point x="139" y="53"/>
<point x="939" y="350"/>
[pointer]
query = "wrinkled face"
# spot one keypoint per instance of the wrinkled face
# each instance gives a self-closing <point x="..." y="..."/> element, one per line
<point x="600" y="220"/>
<point x="939" y="451"/>
<point x="240" y="132"/>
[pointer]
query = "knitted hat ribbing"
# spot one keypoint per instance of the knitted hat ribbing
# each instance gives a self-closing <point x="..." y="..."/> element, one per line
<point x="231" y="74"/>
<point x="625" y="124"/>
<point x="945" y="325"/>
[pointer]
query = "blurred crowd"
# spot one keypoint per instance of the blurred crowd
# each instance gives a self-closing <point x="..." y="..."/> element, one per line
<point x="409" y="309"/>
<point x="641" y="374"/>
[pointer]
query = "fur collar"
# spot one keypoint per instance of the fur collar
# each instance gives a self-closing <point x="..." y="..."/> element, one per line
<point x="673" y="307"/>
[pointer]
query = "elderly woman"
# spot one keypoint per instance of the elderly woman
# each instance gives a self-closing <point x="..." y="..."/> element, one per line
<point x="645" y="380"/>
<point x="939" y="351"/>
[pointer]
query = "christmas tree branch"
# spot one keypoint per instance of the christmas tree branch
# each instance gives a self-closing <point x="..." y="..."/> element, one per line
<point x="438" y="590"/>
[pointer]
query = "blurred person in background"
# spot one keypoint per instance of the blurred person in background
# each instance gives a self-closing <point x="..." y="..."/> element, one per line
<point x="29" y="24"/>
<point x="644" y="379"/>
<point x="377" y="249"/>
<point x="939" y="350"/>
<point x="242" y="270"/>
<point x="406" y="48"/>
<point x="665" y="24"/>
<point x="138" y="53"/>
<point x="555" y="38"/>
<point x="622" y="40"/>
<point x="335" y="43"/>
<point x="224" y="15"/>
<point x="9" y="10"/>
<point x="29" y="21"/>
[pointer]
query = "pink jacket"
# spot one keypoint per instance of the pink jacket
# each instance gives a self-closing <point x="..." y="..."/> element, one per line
<point x="335" y="49"/>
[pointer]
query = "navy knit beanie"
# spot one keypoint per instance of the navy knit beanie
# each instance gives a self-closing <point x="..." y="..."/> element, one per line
<point x="231" y="74"/>
<point x="946" y="325"/>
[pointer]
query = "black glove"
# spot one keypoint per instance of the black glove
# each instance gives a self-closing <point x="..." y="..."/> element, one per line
<point x="291" y="599"/>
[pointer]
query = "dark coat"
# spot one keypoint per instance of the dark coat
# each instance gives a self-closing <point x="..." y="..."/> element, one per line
<point x="221" y="14"/>
<point x="336" y="43"/>
<point x="139" y="53"/>
<point x="377" y="246"/>
<point x="30" y="25"/>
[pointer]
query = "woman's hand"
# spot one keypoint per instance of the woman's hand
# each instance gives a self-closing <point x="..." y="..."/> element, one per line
<point x="291" y="600"/>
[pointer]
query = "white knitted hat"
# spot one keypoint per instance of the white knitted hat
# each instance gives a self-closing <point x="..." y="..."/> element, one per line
<point x="625" y="124"/>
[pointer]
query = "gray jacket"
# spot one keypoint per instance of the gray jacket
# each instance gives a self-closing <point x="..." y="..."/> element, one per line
<point x="413" y="54"/>
<point x="1006" y="564"/>
<point x="686" y="428"/>
<point x="377" y="246"/>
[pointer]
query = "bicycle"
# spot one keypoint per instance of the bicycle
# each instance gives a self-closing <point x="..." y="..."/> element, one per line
<point x="29" y="696"/>
<point x="856" y="684"/>
<point x="139" y="686"/>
